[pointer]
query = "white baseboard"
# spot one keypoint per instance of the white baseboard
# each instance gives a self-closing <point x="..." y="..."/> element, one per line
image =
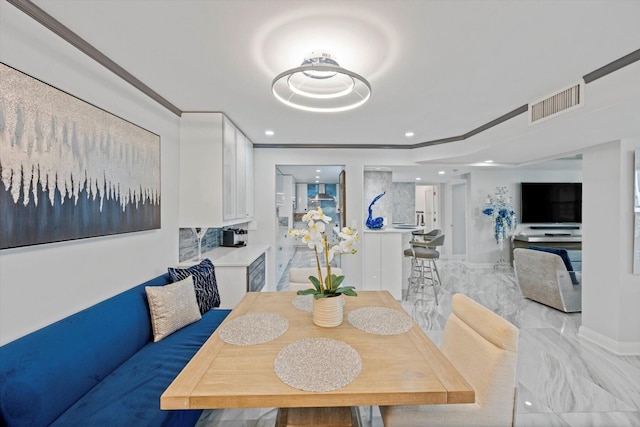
<point x="621" y="348"/>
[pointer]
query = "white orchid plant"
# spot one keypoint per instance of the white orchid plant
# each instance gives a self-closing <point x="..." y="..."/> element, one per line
<point x="315" y="236"/>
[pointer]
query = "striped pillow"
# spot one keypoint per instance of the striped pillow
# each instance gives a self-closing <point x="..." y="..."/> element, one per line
<point x="204" y="281"/>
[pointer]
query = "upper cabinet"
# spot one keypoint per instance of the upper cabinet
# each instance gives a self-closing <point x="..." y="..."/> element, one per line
<point x="216" y="172"/>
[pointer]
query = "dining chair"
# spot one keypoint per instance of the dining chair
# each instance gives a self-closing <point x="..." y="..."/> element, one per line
<point x="299" y="276"/>
<point x="483" y="347"/>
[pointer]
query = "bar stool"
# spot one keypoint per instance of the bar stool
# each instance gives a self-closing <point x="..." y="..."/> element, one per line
<point x="416" y="267"/>
<point x="423" y="266"/>
<point x="426" y="236"/>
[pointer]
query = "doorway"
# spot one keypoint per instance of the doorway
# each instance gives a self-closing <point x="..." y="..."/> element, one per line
<point x="427" y="206"/>
<point x="300" y="188"/>
<point x="458" y="220"/>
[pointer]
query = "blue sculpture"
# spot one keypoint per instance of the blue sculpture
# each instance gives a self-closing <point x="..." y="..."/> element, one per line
<point x="375" y="223"/>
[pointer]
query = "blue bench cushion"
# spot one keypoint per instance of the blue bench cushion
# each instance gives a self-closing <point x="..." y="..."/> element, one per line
<point x="45" y="372"/>
<point x="130" y="396"/>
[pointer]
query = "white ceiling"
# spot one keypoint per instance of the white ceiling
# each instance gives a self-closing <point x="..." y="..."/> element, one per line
<point x="437" y="68"/>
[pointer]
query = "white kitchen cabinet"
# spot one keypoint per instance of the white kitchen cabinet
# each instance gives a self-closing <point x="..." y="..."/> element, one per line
<point x="243" y="176"/>
<point x="238" y="271"/>
<point x="385" y="266"/>
<point x="247" y="212"/>
<point x="216" y="172"/>
<point x="301" y="198"/>
<point x="229" y="151"/>
<point x="285" y="244"/>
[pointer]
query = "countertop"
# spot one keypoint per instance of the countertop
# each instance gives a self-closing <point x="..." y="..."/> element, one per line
<point x="232" y="257"/>
<point x="392" y="229"/>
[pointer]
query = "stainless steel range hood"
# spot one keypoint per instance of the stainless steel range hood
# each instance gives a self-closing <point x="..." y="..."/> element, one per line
<point x="322" y="195"/>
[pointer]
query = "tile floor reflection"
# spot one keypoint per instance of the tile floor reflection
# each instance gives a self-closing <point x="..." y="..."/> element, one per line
<point x="562" y="379"/>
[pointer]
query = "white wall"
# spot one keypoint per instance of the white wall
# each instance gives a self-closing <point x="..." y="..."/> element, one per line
<point x="41" y="284"/>
<point x="610" y="291"/>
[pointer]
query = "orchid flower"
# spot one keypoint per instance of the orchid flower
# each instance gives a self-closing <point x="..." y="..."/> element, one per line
<point x="315" y="237"/>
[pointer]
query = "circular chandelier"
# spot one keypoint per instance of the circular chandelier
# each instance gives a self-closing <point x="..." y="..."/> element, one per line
<point x="320" y="84"/>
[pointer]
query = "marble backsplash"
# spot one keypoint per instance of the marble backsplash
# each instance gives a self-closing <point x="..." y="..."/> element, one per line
<point x="188" y="242"/>
<point x="375" y="183"/>
<point x="404" y="202"/>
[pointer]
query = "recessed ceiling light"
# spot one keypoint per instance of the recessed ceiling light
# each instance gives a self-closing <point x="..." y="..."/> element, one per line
<point x="268" y="132"/>
<point x="317" y="181"/>
<point x="441" y="172"/>
<point x="409" y="134"/>
<point x="418" y="179"/>
<point x="488" y="161"/>
<point x="318" y="170"/>
<point x="317" y="177"/>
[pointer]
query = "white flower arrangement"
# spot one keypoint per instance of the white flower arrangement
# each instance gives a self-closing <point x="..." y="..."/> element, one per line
<point x="315" y="236"/>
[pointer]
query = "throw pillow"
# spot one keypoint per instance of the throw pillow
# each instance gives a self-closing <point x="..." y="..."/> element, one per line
<point x="204" y="282"/>
<point x="562" y="253"/>
<point x="172" y="307"/>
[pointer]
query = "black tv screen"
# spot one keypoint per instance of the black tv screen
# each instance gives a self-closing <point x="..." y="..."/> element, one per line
<point x="557" y="202"/>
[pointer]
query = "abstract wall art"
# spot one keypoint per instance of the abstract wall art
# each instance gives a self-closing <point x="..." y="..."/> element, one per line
<point x="70" y="170"/>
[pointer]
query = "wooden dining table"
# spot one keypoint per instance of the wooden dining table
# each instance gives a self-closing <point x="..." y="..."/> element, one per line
<point x="401" y="369"/>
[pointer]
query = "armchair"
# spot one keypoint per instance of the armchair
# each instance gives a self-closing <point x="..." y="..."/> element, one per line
<point x="543" y="277"/>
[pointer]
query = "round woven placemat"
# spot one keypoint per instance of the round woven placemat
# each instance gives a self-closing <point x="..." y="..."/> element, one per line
<point x="255" y="328"/>
<point x="318" y="364"/>
<point x="303" y="303"/>
<point x="380" y="320"/>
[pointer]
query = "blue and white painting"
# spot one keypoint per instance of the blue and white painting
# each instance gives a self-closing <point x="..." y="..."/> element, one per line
<point x="70" y="170"/>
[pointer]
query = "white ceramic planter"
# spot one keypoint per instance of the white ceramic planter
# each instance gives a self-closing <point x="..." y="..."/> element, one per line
<point x="328" y="312"/>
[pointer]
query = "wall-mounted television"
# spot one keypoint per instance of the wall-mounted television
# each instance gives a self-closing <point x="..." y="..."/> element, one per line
<point x="551" y="202"/>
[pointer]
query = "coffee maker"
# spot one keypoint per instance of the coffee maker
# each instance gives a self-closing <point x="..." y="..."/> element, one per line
<point x="234" y="237"/>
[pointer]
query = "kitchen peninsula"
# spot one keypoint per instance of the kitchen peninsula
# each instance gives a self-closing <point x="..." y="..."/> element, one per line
<point x="385" y="266"/>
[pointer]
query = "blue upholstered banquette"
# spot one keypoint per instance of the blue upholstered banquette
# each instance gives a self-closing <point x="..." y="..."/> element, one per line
<point x="99" y="367"/>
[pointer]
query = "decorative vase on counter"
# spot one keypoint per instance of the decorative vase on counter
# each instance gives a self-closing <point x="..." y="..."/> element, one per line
<point x="328" y="312"/>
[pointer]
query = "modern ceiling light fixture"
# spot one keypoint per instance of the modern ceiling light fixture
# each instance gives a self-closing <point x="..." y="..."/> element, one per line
<point x="321" y="85"/>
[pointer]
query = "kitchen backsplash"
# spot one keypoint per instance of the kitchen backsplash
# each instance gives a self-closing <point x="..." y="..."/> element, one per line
<point x="188" y="242"/>
<point x="404" y="202"/>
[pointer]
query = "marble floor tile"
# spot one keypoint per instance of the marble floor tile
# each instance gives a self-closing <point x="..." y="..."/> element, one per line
<point x="597" y="419"/>
<point x="562" y="380"/>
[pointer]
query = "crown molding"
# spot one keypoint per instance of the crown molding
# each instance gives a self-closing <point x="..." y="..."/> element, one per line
<point x="78" y="42"/>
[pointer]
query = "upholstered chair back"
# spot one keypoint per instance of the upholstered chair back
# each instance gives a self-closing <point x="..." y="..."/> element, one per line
<point x="483" y="347"/>
<point x="543" y="277"/>
<point x="299" y="277"/>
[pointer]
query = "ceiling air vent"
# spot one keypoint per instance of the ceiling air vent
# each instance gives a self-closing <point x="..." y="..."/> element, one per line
<point x="556" y="104"/>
